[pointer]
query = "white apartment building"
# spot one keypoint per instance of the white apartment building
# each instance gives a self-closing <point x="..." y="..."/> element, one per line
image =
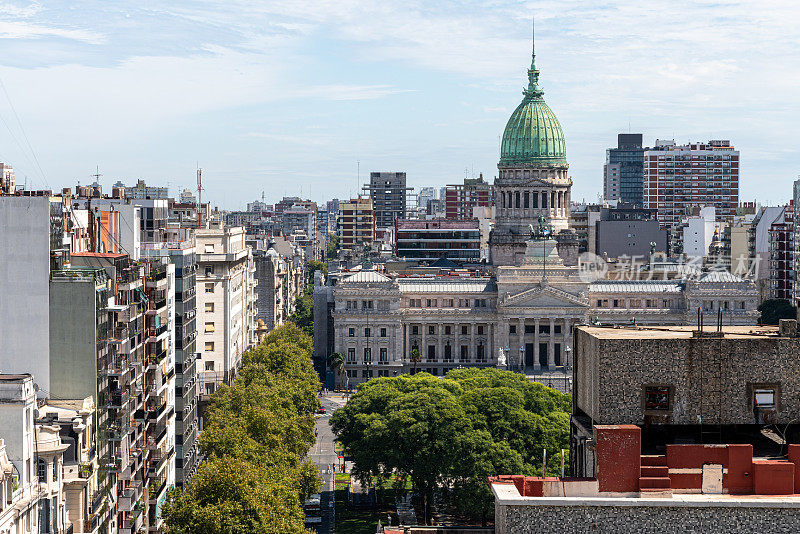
<point x="226" y="307"/>
<point x="699" y="232"/>
<point x="18" y="482"/>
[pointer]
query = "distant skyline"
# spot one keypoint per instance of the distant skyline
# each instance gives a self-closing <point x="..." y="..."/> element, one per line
<point x="286" y="97"/>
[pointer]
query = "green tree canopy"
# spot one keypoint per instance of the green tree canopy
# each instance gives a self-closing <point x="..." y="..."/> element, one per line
<point x="256" y="435"/>
<point x="773" y="310"/>
<point x="452" y="433"/>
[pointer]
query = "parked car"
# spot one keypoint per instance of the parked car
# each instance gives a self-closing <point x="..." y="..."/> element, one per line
<point x="322" y="409"/>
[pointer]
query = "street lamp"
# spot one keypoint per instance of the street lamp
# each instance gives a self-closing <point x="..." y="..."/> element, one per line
<point x="567" y="351"/>
<point x="521" y="359"/>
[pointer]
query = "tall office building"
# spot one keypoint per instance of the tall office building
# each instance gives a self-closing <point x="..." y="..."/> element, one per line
<point x="388" y="193"/>
<point x="623" y="173"/>
<point x="679" y="177"/>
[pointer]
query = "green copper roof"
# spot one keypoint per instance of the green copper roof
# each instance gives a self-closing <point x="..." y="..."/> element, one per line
<point x="533" y="135"/>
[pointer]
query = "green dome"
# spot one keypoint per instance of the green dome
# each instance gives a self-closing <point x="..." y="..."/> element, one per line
<point x="533" y="135"/>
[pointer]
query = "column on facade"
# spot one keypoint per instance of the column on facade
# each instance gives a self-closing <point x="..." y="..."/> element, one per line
<point x="440" y="344"/>
<point x="406" y="343"/>
<point x="490" y="343"/>
<point x="567" y="333"/>
<point x="521" y="342"/>
<point x="423" y="350"/>
<point x="551" y="349"/>
<point x="504" y="340"/>
<point x="473" y="350"/>
<point x="536" y="365"/>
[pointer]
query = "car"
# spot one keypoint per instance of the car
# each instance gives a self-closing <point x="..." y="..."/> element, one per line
<point x="322" y="409"/>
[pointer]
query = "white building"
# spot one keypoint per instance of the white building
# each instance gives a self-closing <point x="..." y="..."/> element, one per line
<point x="6" y="179"/>
<point x="21" y="492"/>
<point x="699" y="232"/>
<point x="226" y="309"/>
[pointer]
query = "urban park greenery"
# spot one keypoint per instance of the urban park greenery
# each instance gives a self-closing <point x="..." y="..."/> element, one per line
<point x="257" y="432"/>
<point x="448" y="435"/>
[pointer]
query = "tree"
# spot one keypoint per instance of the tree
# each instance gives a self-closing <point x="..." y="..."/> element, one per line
<point x="232" y="496"/>
<point x="415" y="359"/>
<point x="450" y="434"/>
<point x="257" y="432"/>
<point x="311" y="267"/>
<point x="336" y="362"/>
<point x="333" y="247"/>
<point x="773" y="310"/>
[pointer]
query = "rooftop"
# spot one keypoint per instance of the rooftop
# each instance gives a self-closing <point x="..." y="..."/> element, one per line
<point x="678" y="332"/>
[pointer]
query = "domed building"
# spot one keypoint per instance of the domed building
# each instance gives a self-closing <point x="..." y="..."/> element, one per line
<point x="532" y="175"/>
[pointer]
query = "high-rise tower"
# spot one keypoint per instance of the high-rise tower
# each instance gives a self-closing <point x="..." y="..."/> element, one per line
<point x="532" y="175"/>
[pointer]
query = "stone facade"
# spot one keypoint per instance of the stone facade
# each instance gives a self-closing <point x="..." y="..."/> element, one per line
<point x="648" y="516"/>
<point x="522" y="318"/>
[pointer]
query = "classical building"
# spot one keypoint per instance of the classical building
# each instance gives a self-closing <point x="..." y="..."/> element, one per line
<point x="532" y="175"/>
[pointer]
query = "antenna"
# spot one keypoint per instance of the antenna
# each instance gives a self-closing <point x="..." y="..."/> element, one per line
<point x="97" y="174"/>
<point x="199" y="197"/>
<point x="358" y="177"/>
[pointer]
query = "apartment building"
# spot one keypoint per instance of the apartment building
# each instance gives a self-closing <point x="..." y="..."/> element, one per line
<point x="226" y="309"/>
<point x="678" y="177"/>
<point x="782" y="275"/>
<point x="388" y="193"/>
<point x="21" y="492"/>
<point x="356" y="225"/>
<point x="460" y="199"/>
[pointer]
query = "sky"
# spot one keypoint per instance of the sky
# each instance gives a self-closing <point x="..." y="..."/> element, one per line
<point x="303" y="98"/>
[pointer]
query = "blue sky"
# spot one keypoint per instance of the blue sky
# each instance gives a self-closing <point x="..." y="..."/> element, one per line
<point x="285" y="97"/>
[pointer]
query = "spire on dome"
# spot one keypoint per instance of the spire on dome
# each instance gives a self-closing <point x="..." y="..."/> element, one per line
<point x="533" y="89"/>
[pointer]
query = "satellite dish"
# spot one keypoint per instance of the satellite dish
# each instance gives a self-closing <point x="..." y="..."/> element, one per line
<point x="35" y="387"/>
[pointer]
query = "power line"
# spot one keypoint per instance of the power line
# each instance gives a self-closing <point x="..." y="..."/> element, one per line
<point x="25" y="135"/>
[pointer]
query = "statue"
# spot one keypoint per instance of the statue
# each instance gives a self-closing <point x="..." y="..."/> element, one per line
<point x="501" y="357"/>
<point x="543" y="230"/>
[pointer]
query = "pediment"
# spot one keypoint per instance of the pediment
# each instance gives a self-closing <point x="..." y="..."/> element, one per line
<point x="544" y="297"/>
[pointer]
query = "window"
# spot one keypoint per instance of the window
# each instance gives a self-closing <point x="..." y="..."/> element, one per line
<point x="383" y="332"/>
<point x="415" y="330"/>
<point x="431" y="352"/>
<point x="209" y="346"/>
<point x="431" y="330"/>
<point x="602" y="303"/>
<point x="480" y="354"/>
<point x="209" y="389"/>
<point x="656" y="398"/>
<point x="480" y="330"/>
<point x="209" y="366"/>
<point x="209" y="248"/>
<point x="351" y="354"/>
<point x="209" y="307"/>
<point x="544" y="329"/>
<point x="209" y="327"/>
<point x="41" y="470"/>
<point x="447" y="303"/>
<point x="464" y="353"/>
<point x="367" y="332"/>
<point x="764" y="398"/>
<point x="557" y="329"/>
<point x="464" y="330"/>
<point x="351" y="332"/>
<point x="383" y="355"/>
<point x="366" y="373"/>
<point x="55" y="468"/>
<point x="530" y="329"/>
<point x="209" y="270"/>
<point x="447" y="330"/>
<point x="210" y="287"/>
<point x="367" y="355"/>
<point x="366" y="305"/>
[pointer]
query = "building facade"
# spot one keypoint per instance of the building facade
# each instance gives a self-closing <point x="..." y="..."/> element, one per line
<point x="623" y="172"/>
<point x="7" y="186"/>
<point x="388" y="193"/>
<point x="427" y="241"/>
<point x="226" y="308"/>
<point x="678" y="177"/>
<point x="460" y="199"/>
<point x="355" y="224"/>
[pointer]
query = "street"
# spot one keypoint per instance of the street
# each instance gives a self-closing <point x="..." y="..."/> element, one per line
<point x="323" y="454"/>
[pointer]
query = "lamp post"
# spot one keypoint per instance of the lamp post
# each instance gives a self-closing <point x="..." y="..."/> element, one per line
<point x="522" y="359"/>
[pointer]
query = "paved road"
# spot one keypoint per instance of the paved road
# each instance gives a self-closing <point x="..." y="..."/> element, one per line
<point x="324" y="455"/>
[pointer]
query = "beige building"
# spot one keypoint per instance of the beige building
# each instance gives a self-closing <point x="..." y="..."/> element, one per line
<point x="356" y="224"/>
<point x="521" y="319"/>
<point x="226" y="307"/>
